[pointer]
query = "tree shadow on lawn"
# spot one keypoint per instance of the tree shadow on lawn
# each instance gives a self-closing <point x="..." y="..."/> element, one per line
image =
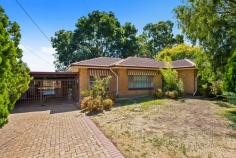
<point x="229" y="112"/>
<point x="133" y="100"/>
<point x="151" y="99"/>
<point x="231" y="115"/>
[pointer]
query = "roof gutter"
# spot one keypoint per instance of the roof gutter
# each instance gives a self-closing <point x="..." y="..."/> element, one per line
<point x="117" y="82"/>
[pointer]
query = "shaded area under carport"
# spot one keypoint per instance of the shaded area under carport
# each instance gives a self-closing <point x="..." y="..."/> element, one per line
<point x="47" y="86"/>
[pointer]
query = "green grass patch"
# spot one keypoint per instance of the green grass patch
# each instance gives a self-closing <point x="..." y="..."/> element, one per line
<point x="132" y="101"/>
<point x="224" y="104"/>
<point x="147" y="104"/>
<point x="141" y="100"/>
<point x="232" y="100"/>
<point x="231" y="115"/>
<point x="154" y="102"/>
<point x="141" y="103"/>
<point x="229" y="112"/>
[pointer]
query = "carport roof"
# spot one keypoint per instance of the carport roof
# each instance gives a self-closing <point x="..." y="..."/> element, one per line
<point x="52" y="75"/>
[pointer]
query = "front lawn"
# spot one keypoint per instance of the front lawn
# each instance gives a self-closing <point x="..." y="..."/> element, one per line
<point x="146" y="127"/>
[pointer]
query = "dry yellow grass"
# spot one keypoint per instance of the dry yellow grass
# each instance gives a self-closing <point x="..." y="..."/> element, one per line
<point x="169" y="128"/>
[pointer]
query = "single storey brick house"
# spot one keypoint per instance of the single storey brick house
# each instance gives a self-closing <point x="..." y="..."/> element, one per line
<point x="132" y="76"/>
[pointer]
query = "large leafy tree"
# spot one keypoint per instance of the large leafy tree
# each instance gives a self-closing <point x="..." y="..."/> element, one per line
<point x="129" y="45"/>
<point x="230" y="75"/>
<point x="180" y="51"/>
<point x="158" y="36"/>
<point x="14" y="74"/>
<point x="98" y="34"/>
<point x="62" y="44"/>
<point x="211" y="24"/>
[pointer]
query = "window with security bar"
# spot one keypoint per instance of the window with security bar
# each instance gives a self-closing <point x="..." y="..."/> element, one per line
<point x="140" y="82"/>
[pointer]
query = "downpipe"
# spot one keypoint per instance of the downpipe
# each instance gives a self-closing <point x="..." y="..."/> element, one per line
<point x="195" y="87"/>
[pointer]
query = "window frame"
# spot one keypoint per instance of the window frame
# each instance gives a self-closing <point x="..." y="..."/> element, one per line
<point x="151" y="79"/>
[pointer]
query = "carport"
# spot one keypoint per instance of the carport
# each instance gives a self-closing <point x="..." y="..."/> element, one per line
<point x="47" y="86"/>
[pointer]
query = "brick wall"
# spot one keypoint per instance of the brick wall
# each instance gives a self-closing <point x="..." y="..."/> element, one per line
<point x="187" y="75"/>
<point x="123" y="85"/>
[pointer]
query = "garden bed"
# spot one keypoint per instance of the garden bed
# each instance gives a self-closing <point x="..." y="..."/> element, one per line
<point x="146" y="127"/>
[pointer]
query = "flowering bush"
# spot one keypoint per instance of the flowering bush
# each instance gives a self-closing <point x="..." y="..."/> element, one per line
<point x="172" y="94"/>
<point x="96" y="99"/>
<point x="85" y="103"/>
<point x="107" y="104"/>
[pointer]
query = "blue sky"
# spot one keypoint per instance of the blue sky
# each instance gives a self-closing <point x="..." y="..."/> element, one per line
<point x="53" y="15"/>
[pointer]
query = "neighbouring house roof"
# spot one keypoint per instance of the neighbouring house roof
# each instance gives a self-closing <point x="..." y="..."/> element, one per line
<point x="134" y="62"/>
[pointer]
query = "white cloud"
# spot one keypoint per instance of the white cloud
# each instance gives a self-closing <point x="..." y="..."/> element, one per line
<point x="38" y="59"/>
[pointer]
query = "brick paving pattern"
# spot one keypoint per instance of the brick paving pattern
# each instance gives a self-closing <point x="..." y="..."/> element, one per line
<point x="53" y="131"/>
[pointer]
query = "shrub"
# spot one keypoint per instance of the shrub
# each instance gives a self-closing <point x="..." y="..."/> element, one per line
<point x="180" y="87"/>
<point x="91" y="104"/>
<point x="172" y="94"/>
<point x="93" y="99"/>
<point x="14" y="73"/>
<point x="172" y="82"/>
<point x="217" y="88"/>
<point x="107" y="104"/>
<point x="85" y="102"/>
<point x="211" y="89"/>
<point x="230" y="75"/>
<point x="3" y="115"/>
<point x="96" y="105"/>
<point x="158" y="93"/>
<point x="101" y="87"/>
<point x="169" y="78"/>
<point x="86" y="93"/>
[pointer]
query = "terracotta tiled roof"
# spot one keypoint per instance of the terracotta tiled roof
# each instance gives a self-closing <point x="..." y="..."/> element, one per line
<point x="137" y="62"/>
<point x="140" y="62"/>
<point x="97" y="62"/>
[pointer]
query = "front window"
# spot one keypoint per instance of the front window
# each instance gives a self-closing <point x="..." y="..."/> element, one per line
<point x="140" y="82"/>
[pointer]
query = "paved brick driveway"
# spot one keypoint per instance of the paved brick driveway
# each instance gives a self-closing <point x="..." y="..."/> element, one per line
<point x="53" y="131"/>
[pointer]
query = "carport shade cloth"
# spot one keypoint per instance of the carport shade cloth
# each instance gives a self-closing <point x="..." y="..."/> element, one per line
<point x="142" y="73"/>
<point x="99" y="73"/>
